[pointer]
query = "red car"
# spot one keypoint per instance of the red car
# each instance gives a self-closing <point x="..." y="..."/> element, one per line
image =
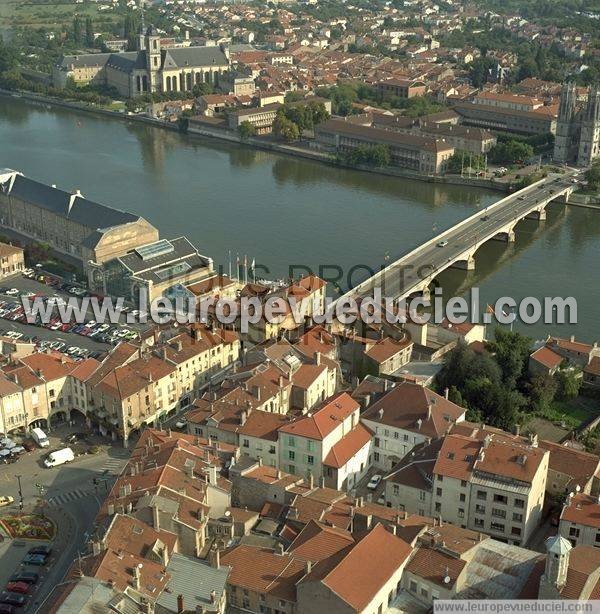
<point x="18" y="587"/>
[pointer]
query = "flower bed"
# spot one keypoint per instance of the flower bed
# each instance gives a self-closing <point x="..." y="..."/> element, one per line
<point x="28" y="525"/>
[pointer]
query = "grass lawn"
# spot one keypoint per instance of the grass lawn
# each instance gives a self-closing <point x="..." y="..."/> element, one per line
<point x="574" y="411"/>
<point x="51" y="14"/>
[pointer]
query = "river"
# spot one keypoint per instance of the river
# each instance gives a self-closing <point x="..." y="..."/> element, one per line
<point x="286" y="212"/>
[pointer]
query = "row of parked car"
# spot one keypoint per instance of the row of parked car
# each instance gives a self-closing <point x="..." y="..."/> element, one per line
<point x="20" y="584"/>
<point x="105" y="333"/>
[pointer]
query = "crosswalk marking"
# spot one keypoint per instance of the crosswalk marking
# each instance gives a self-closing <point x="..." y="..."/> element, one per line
<point x="114" y="465"/>
<point x="65" y="497"/>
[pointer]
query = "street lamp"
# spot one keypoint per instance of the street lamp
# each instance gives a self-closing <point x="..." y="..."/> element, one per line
<point x="20" y="492"/>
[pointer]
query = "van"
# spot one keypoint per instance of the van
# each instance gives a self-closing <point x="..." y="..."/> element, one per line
<point x="59" y="457"/>
<point x="40" y="438"/>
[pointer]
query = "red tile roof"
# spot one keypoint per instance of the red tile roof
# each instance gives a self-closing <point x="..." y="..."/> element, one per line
<point x="321" y="422"/>
<point x="348" y="446"/>
<point x="582" y="509"/>
<point x="366" y="567"/>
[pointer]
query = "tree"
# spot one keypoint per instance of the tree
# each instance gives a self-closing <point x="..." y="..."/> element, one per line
<point x="510" y="152"/>
<point x="592" y="176"/>
<point x="285" y="128"/>
<point x="246" y="129"/>
<point x="542" y="390"/>
<point x="89" y="31"/>
<point x="511" y="351"/>
<point x="203" y="89"/>
<point x="569" y="383"/>
<point x="479" y="70"/>
<point x="77" y="29"/>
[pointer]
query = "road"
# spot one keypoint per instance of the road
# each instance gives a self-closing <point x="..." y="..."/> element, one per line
<point x="70" y="498"/>
<point x="407" y="274"/>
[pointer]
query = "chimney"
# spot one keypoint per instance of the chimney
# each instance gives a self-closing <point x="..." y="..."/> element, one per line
<point x="137" y="575"/>
<point x="446" y="393"/>
<point x="180" y="607"/>
<point x="308" y="568"/>
<point x="311" y="481"/>
<point x="243" y="417"/>
<point x="189" y="470"/>
<point x="281" y="381"/>
<point x="215" y="559"/>
<point x="280" y="549"/>
<point x="318" y="358"/>
<point x="322" y="482"/>
<point x="256" y="392"/>
<point x="213" y="594"/>
<point x="96" y="547"/>
<point x="572" y="338"/>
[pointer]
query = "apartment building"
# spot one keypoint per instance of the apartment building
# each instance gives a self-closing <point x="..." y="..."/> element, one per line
<point x="407" y="416"/>
<point x="136" y="387"/>
<point x="478" y="478"/>
<point x="254" y="431"/>
<point x="580" y="520"/>
<point x="261" y="118"/>
<point x="12" y="260"/>
<point x="495" y="485"/>
<point x="571" y="470"/>
<point x="401" y="88"/>
<point x="173" y="483"/>
<point x="313" y="383"/>
<point x="328" y="443"/>
<point x="40" y="390"/>
<point x="422" y="154"/>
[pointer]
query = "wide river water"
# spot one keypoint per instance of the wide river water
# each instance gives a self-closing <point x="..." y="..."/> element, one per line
<point x="283" y="211"/>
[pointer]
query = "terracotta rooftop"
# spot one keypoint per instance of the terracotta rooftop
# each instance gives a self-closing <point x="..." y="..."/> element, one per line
<point x="579" y="466"/>
<point x="324" y="420"/>
<point x="348" y="446"/>
<point x="582" y="509"/>
<point x="545" y="356"/>
<point x="264" y="571"/>
<point x="414" y="408"/>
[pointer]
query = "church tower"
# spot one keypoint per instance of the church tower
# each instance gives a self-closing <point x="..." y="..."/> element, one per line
<point x="558" y="550"/>
<point x="590" y="129"/>
<point x="565" y="125"/>
<point x="153" y="58"/>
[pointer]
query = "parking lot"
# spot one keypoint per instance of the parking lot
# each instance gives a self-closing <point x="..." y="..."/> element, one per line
<point x="78" y="341"/>
<point x="12" y="555"/>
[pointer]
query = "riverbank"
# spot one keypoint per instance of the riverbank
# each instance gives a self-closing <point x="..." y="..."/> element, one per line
<point x="228" y="136"/>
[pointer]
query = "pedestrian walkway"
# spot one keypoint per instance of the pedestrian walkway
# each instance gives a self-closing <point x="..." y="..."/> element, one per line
<point x="113" y="465"/>
<point x="65" y="497"/>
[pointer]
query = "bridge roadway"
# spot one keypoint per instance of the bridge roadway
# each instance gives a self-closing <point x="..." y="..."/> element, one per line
<point x="413" y="273"/>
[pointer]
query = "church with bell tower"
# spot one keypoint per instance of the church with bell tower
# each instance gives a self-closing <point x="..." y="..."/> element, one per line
<point x="151" y="68"/>
<point x="577" y="139"/>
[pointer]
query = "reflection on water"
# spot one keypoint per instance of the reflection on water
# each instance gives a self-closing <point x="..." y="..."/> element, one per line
<point x="284" y="211"/>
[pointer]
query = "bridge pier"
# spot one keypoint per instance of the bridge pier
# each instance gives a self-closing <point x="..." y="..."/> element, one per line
<point x="507" y="236"/>
<point x="464" y="265"/>
<point x="537" y="215"/>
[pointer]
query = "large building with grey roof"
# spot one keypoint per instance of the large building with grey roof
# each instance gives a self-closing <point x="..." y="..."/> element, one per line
<point x="151" y="68"/>
<point x="69" y="222"/>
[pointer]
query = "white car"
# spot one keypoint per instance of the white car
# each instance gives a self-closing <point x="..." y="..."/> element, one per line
<point x="12" y="292"/>
<point x="374" y="482"/>
<point x="442" y="243"/>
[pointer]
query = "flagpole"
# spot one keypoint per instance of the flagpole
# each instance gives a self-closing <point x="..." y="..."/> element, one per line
<point x="245" y="269"/>
<point x="229" y="252"/>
